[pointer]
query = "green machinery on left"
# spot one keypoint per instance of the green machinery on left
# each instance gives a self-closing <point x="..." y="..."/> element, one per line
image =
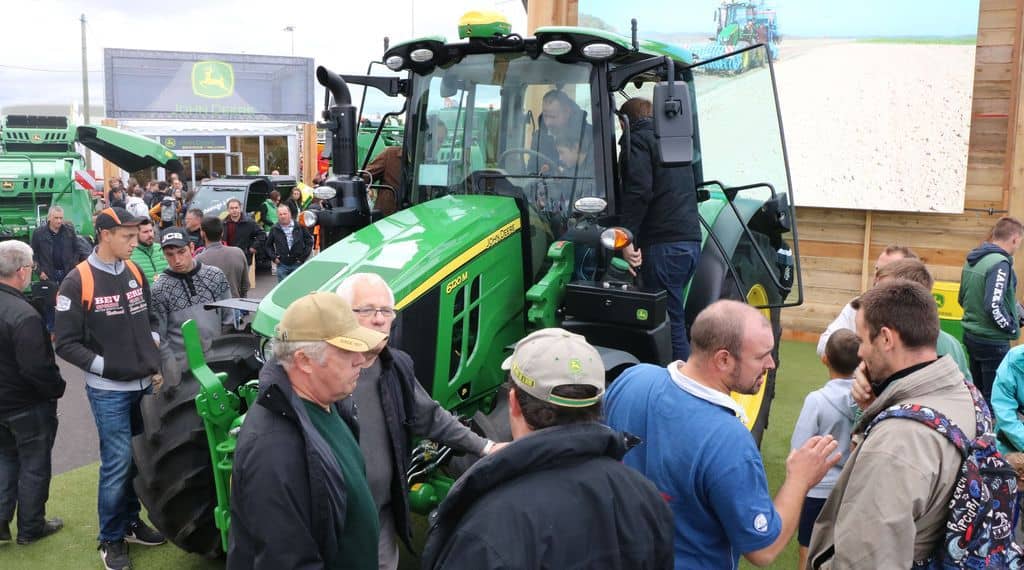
<point x="41" y="166"/>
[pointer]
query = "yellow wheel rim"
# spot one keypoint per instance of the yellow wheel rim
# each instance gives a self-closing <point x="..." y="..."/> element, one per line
<point x="757" y="296"/>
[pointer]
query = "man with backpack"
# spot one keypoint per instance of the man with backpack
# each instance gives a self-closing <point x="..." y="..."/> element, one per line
<point x="104" y="326"/>
<point x="891" y="504"/>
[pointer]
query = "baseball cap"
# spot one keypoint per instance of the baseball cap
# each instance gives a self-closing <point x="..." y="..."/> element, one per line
<point x="550" y="358"/>
<point x="110" y="218"/>
<point x="173" y="237"/>
<point x="326" y="316"/>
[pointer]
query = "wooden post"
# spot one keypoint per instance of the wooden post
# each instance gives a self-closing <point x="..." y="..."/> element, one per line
<point x="551" y="13"/>
<point x="866" y="272"/>
<point x="309" y="152"/>
<point x="110" y="170"/>
<point x="1015" y="144"/>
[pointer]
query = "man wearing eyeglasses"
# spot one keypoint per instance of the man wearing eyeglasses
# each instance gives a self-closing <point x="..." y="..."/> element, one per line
<point x="393" y="410"/>
<point x="30" y="384"/>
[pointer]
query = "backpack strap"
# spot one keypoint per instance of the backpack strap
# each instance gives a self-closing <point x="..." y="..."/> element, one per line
<point x="134" y="269"/>
<point x="929" y="417"/>
<point x="85" y="272"/>
<point x="88" y="283"/>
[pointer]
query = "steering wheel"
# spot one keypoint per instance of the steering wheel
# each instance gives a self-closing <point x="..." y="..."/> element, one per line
<point x="520" y="151"/>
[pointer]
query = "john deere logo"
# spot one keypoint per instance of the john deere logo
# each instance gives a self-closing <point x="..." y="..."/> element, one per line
<point x="641" y="314"/>
<point x="7" y="185"/>
<point x="940" y="300"/>
<point x="213" y="79"/>
<point x="36" y="138"/>
<point x="575" y="366"/>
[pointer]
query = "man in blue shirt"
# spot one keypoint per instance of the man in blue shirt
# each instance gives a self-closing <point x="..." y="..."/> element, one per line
<point x="698" y="452"/>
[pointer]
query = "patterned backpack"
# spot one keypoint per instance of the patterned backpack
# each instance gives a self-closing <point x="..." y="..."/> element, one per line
<point x="983" y="509"/>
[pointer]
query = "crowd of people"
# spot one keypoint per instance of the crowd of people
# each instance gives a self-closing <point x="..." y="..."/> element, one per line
<point x="656" y="470"/>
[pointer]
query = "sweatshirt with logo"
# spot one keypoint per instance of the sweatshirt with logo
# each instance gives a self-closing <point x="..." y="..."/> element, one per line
<point x="112" y="340"/>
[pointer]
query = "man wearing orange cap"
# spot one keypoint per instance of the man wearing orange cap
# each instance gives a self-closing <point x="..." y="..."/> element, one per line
<point x="299" y="493"/>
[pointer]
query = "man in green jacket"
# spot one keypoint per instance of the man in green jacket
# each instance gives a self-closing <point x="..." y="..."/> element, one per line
<point x="148" y="257"/>
<point x="988" y="295"/>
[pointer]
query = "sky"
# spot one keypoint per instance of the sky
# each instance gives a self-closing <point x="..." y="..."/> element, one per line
<point x="802" y="17"/>
<point x="41" y="54"/>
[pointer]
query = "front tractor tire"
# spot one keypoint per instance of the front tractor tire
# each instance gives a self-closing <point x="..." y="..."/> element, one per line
<point x="175" y="475"/>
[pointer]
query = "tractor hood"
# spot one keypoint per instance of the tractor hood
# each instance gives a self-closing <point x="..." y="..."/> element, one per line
<point x="129" y="151"/>
<point x="413" y="250"/>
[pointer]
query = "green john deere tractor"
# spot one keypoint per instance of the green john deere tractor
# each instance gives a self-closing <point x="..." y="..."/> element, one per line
<point x="507" y="223"/>
<point x="39" y="164"/>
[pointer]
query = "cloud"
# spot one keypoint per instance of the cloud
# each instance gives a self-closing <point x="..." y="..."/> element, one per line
<point x="344" y="36"/>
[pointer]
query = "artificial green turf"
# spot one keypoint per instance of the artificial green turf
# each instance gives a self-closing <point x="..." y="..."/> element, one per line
<point x="73" y="494"/>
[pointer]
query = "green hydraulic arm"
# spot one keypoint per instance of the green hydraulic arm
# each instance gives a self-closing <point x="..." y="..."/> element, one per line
<point x="222" y="419"/>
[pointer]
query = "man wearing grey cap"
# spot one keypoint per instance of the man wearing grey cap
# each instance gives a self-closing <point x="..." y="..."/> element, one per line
<point x="558" y="496"/>
<point x="179" y="295"/>
<point x="299" y="496"/>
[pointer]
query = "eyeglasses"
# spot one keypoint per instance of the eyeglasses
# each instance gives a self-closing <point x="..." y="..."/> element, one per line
<point x="33" y="266"/>
<point x="386" y="312"/>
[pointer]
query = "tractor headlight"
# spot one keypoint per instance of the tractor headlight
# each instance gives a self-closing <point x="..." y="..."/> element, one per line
<point x="598" y="51"/>
<point x="307" y="218"/>
<point x="557" y="47"/>
<point x="421" y="55"/>
<point x="394" y="62"/>
<point x="616" y="238"/>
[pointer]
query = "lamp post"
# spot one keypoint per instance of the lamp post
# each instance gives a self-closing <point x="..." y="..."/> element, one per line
<point x="291" y="30"/>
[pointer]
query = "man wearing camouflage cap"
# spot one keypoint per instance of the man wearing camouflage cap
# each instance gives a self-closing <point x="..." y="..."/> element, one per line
<point x="554" y="497"/>
<point x="299" y="495"/>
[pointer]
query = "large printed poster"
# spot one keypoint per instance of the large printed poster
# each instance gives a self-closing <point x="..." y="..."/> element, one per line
<point x="875" y="96"/>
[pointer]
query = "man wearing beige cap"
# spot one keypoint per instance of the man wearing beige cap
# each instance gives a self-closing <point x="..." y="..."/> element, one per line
<point x="558" y="496"/>
<point x="299" y="494"/>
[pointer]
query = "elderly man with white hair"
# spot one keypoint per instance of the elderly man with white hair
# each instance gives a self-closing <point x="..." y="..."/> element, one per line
<point x="394" y="408"/>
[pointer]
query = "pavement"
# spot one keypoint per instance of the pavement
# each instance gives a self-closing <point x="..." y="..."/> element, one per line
<point x="76" y="443"/>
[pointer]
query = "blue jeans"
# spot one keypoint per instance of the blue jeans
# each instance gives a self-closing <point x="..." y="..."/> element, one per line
<point x="670" y="266"/>
<point x="26" y="442"/>
<point x="118" y="417"/>
<point x="284" y="270"/>
<point x="984" y="356"/>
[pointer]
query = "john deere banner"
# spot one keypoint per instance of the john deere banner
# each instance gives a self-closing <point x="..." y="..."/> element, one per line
<point x="146" y="84"/>
<point x="875" y="95"/>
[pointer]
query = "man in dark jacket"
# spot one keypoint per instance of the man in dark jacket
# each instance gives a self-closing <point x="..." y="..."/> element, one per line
<point x="660" y="207"/>
<point x="240" y="231"/>
<point x="394" y="411"/>
<point x="289" y="244"/>
<point x="54" y="250"/>
<point x="30" y="384"/>
<point x="988" y="288"/>
<point x="299" y="497"/>
<point x="559" y="495"/>
<point x="104" y="327"/>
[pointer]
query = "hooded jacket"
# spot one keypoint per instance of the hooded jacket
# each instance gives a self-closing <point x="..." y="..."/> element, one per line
<point x="557" y="498"/>
<point x="659" y="202"/>
<point x="988" y="288"/>
<point x="1008" y="401"/>
<point x="288" y="495"/>
<point x="890" y="503"/>
<point x="828" y="410"/>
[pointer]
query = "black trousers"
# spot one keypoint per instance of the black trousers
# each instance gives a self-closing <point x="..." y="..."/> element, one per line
<point x="26" y="443"/>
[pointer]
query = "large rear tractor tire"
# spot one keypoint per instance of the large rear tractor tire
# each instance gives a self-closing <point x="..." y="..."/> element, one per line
<point x="175" y="476"/>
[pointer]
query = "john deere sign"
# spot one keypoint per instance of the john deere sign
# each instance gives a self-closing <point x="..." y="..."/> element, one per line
<point x="213" y="79"/>
<point x="205" y="86"/>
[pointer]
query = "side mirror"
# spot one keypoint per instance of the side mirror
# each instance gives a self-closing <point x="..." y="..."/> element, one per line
<point x="673" y="123"/>
<point x="450" y="85"/>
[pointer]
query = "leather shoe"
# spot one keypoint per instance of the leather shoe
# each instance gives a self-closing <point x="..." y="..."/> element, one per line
<point x="49" y="527"/>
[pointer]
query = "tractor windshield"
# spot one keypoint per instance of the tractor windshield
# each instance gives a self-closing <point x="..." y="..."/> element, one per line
<point x="506" y="120"/>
